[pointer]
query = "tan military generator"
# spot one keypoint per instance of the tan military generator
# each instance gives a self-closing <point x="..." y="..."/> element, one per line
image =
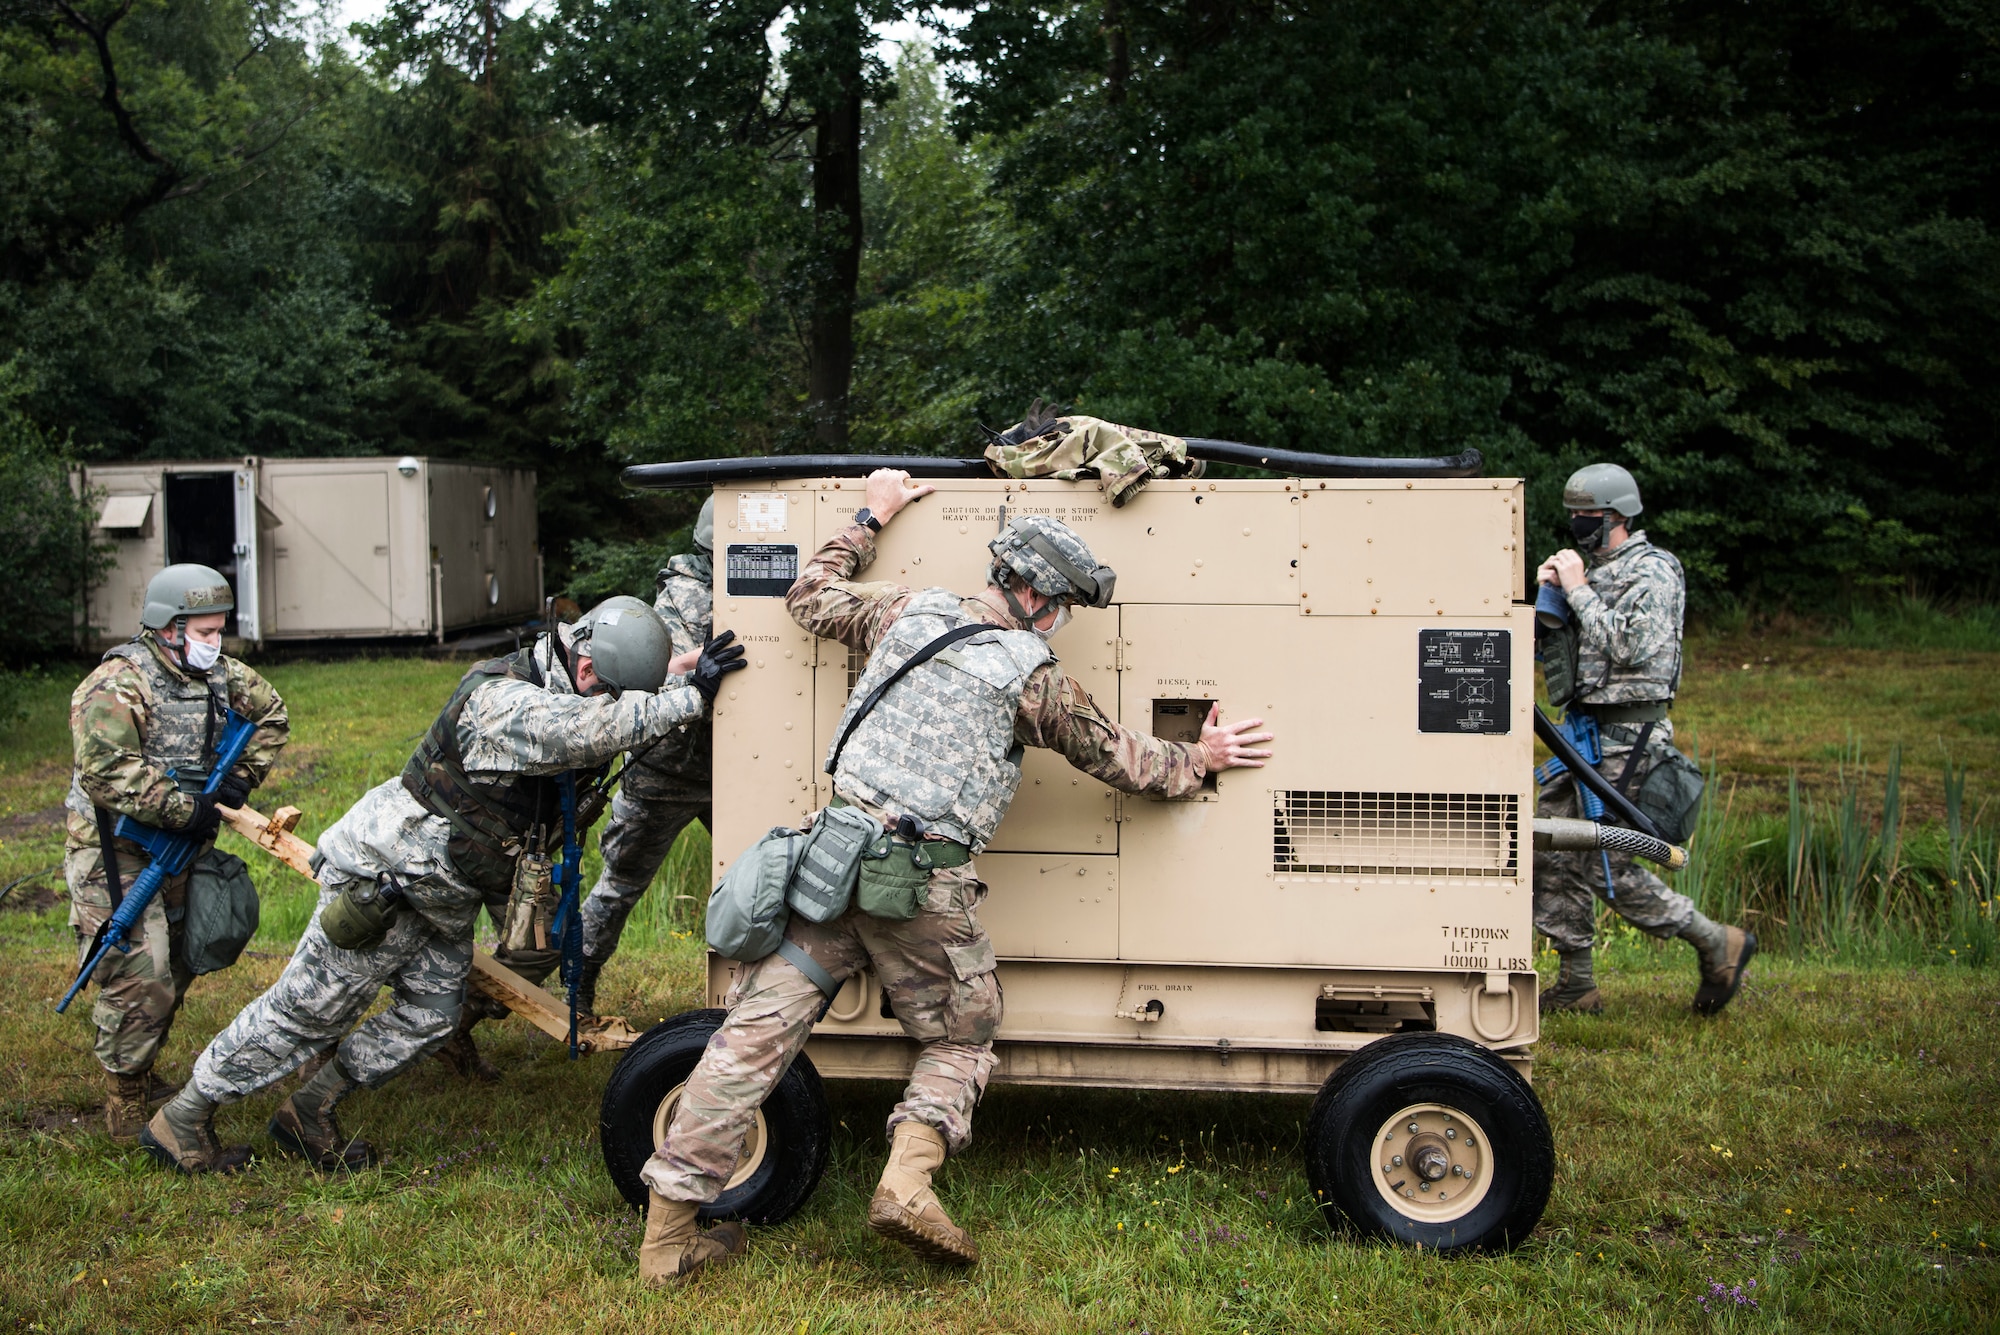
<point x="1352" y="921"/>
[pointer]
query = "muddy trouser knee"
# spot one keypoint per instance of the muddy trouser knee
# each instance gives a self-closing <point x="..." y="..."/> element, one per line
<point x="1568" y="886"/>
<point x="139" y="990"/>
<point x="647" y="816"/>
<point x="325" y="989"/>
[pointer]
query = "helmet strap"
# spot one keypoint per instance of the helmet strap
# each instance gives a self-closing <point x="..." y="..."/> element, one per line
<point x="1021" y="614"/>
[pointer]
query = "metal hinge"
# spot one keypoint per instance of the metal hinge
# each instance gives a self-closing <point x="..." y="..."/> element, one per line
<point x="1118" y="648"/>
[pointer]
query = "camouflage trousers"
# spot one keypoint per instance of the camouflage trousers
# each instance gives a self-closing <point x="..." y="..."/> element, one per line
<point x="648" y="813"/>
<point x="1568" y="885"/>
<point x="937" y="973"/>
<point x="424" y="960"/>
<point x="139" y="991"/>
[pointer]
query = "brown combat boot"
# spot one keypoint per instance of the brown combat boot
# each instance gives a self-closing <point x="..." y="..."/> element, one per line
<point x="675" y="1250"/>
<point x="1575" y="989"/>
<point x="1722" y="964"/>
<point x="462" y="1057"/>
<point x="905" y="1209"/>
<point x="125" y="1110"/>
<point x="182" y="1136"/>
<point x="304" y="1125"/>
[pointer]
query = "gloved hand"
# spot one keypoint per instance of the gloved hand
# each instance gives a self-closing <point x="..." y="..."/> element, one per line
<point x="207" y="819"/>
<point x="719" y="658"/>
<point x="233" y="791"/>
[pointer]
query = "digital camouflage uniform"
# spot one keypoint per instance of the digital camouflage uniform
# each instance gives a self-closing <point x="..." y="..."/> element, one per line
<point x="508" y="726"/>
<point x="1628" y="619"/>
<point x="666" y="787"/>
<point x="937" y="968"/>
<point x="137" y="716"/>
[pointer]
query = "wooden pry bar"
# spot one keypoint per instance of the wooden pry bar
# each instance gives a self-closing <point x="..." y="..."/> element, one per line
<point x="544" y="1010"/>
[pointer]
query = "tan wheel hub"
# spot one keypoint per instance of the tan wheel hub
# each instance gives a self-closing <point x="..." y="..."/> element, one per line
<point x="754" y="1144"/>
<point x="1432" y="1163"/>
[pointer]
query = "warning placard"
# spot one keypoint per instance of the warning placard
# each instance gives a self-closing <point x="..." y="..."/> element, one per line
<point x="1463" y="680"/>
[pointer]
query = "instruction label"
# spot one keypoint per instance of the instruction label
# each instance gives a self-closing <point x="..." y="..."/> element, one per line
<point x="761" y="512"/>
<point x="1464" y="680"/>
<point x="760" y="569"/>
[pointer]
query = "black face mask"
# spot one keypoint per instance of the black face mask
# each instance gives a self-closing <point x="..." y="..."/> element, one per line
<point x="1588" y="530"/>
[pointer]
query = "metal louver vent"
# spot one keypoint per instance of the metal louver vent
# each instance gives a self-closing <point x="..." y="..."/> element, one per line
<point x="1395" y="835"/>
<point x="857" y="663"/>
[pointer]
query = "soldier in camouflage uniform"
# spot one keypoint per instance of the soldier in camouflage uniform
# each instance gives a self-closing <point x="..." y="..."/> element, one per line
<point x="938" y="760"/>
<point x="145" y="726"/>
<point x="484" y="787"/>
<point x="1627" y="605"/>
<point x="668" y="785"/>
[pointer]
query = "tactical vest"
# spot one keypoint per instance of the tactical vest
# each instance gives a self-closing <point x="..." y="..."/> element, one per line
<point x="492" y="815"/>
<point x="184" y="717"/>
<point x="1655" y="672"/>
<point x="940" y="744"/>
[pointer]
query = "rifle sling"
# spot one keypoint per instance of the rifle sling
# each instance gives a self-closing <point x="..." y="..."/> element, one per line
<point x="110" y="856"/>
<point x="1632" y="759"/>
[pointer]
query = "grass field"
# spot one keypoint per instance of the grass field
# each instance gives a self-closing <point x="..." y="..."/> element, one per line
<point x="1821" y="1157"/>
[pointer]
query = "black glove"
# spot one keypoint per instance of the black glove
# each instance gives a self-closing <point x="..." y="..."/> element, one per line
<point x="233" y="791"/>
<point x="719" y="658"/>
<point x="207" y="819"/>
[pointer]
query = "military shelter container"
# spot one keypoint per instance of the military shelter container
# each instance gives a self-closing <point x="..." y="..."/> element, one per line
<point x="323" y="548"/>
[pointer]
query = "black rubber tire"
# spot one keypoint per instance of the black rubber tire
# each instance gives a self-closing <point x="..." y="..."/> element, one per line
<point x="1393" y="1073"/>
<point x="798" y="1122"/>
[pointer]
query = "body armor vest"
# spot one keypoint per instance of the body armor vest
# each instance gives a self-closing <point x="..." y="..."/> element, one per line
<point x="940" y="744"/>
<point x="1655" y="672"/>
<point x="492" y="816"/>
<point x="184" y="717"/>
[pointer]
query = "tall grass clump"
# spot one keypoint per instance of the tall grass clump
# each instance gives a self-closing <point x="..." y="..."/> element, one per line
<point x="673" y="908"/>
<point x="1840" y="875"/>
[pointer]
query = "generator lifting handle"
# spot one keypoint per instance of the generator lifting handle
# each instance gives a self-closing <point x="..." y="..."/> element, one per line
<point x="1564" y="834"/>
<point x="687" y="473"/>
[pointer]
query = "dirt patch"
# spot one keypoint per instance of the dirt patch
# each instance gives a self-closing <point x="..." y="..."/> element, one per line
<point x="31" y="898"/>
<point x="23" y="823"/>
<point x="1878" y="1129"/>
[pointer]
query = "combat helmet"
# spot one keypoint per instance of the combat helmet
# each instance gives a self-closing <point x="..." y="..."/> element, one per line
<point x="1602" y="487"/>
<point x="626" y="642"/>
<point x="1054" y="561"/>
<point x="704" y="527"/>
<point x="185" y="591"/>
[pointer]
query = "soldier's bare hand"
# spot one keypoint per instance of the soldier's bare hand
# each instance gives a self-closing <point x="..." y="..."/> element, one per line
<point x="682" y="664"/>
<point x="890" y="489"/>
<point x="1568" y="568"/>
<point x="1232" y="746"/>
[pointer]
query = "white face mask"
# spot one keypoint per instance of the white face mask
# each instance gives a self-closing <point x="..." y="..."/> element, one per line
<point x="201" y="656"/>
<point x="1061" y="620"/>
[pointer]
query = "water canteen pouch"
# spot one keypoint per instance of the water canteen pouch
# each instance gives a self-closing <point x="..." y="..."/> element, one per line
<point x="531" y="907"/>
<point x="747" y="910"/>
<point x="1670" y="794"/>
<point x="360" y="916"/>
<point x="893" y="882"/>
<point x="822" y="883"/>
<point x="221" y="912"/>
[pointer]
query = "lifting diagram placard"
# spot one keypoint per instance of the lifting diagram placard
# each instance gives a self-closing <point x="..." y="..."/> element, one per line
<point x="760" y="569"/>
<point x="1463" y="680"/>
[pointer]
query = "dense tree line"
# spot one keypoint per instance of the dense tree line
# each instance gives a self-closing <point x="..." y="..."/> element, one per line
<point x="1748" y="250"/>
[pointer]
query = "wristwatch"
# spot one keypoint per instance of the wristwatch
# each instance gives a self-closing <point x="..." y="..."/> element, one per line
<point x="866" y="516"/>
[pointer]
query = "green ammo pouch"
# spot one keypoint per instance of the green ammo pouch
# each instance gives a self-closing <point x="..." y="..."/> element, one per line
<point x="360" y="916"/>
<point x="1670" y="795"/>
<point x="221" y="912"/>
<point x="822" y="883"/>
<point x="895" y="875"/>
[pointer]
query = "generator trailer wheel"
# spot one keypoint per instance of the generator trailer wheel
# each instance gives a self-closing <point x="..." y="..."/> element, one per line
<point x="1431" y="1140"/>
<point x="783" y="1156"/>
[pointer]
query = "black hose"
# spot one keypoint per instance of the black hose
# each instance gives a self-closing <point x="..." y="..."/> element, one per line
<point x="1587" y="775"/>
<point x="771" y="468"/>
<point x="1297" y="463"/>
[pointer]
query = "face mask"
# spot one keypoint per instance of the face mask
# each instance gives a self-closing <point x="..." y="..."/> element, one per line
<point x="1061" y="620"/>
<point x="201" y="657"/>
<point x="1588" y="530"/>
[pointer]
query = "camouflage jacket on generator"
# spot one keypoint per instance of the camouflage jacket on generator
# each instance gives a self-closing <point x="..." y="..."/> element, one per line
<point x="686" y="602"/>
<point x="1049" y="709"/>
<point x="1628" y="617"/>
<point x="466" y="799"/>
<point x="141" y="714"/>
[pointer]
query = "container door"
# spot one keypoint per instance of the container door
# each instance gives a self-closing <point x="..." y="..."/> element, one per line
<point x="249" y="625"/>
<point x="330" y="556"/>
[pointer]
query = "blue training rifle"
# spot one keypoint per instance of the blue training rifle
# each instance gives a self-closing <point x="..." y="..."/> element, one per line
<point x="170" y="851"/>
